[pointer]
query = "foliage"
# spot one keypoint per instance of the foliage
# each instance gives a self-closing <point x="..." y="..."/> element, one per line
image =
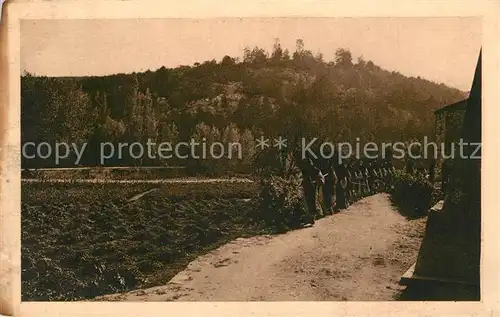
<point x="292" y="94"/>
<point x="413" y="194"/>
<point x="282" y="203"/>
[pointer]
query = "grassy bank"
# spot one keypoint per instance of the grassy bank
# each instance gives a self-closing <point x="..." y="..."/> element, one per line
<point x="84" y="240"/>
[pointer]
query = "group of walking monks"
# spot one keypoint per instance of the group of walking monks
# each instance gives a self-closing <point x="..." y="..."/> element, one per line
<point x="331" y="185"/>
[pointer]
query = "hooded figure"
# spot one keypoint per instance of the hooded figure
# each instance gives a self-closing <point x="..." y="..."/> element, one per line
<point x="341" y="171"/>
<point x="311" y="179"/>
<point x="328" y="184"/>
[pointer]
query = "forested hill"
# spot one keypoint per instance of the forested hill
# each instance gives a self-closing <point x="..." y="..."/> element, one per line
<point x="275" y="93"/>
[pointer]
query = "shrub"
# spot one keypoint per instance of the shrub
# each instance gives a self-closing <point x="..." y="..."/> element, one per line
<point x="282" y="204"/>
<point x="412" y="193"/>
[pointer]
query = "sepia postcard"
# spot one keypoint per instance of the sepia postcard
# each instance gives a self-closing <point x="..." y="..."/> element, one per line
<point x="277" y="158"/>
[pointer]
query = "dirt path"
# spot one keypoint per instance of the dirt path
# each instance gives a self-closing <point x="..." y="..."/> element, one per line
<point x="358" y="254"/>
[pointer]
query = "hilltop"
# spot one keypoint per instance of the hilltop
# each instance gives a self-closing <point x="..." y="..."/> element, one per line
<point x="274" y="93"/>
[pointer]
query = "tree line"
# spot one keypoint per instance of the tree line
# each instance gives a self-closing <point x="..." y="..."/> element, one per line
<point x="294" y="95"/>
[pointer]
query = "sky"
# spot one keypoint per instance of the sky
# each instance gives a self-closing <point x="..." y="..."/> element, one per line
<point x="444" y="50"/>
